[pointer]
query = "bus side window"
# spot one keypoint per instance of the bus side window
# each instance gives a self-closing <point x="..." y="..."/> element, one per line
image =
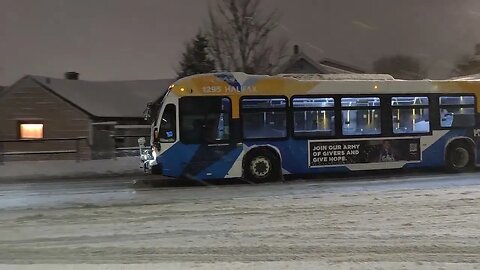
<point x="264" y="118"/>
<point x="410" y="114"/>
<point x="361" y="116"/>
<point x="313" y="117"/>
<point x="457" y="111"/>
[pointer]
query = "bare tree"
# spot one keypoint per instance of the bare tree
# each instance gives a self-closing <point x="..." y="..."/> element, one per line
<point x="241" y="37"/>
<point x="467" y="65"/>
<point x="400" y="67"/>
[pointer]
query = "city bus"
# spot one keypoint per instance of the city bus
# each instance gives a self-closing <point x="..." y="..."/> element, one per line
<point x="260" y="128"/>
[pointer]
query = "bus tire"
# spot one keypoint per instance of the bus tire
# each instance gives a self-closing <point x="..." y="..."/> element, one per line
<point x="261" y="166"/>
<point x="459" y="157"/>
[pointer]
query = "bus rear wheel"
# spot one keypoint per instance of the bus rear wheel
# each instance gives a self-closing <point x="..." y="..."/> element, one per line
<point x="459" y="157"/>
<point x="261" y="166"/>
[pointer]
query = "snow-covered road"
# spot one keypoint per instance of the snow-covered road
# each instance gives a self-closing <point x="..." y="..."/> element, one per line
<point x="421" y="220"/>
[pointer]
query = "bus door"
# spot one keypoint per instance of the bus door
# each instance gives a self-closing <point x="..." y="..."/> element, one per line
<point x="476" y="135"/>
<point x="206" y="132"/>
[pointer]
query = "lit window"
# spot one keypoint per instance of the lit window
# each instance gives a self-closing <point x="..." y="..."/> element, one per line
<point x="31" y="131"/>
<point x="457" y="111"/>
<point x="361" y="116"/>
<point x="410" y="114"/>
<point x="313" y="117"/>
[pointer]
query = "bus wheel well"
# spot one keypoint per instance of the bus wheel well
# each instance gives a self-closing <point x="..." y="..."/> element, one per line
<point x="267" y="154"/>
<point x="261" y="149"/>
<point x="461" y="143"/>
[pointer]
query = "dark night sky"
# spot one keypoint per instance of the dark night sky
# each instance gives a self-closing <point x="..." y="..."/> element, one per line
<point x="143" y="39"/>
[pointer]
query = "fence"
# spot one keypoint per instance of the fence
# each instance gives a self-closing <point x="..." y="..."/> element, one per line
<point x="75" y="151"/>
<point x="127" y="150"/>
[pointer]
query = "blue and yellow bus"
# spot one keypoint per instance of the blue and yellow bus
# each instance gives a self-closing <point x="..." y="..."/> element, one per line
<point x="229" y="125"/>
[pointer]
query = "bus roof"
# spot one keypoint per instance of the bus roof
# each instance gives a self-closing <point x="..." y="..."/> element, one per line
<point x="240" y="84"/>
<point x="471" y="77"/>
<point x="338" y="77"/>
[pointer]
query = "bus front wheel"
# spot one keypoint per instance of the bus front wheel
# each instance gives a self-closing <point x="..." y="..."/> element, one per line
<point x="459" y="157"/>
<point x="262" y="166"/>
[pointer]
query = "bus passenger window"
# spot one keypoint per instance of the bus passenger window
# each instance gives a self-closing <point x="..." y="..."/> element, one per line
<point x="457" y="111"/>
<point x="313" y="117"/>
<point x="361" y="116"/>
<point x="264" y="118"/>
<point x="167" y="125"/>
<point x="410" y="114"/>
<point x="204" y="119"/>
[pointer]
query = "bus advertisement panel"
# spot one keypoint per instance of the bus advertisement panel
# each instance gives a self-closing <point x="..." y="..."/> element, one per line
<point x="326" y="153"/>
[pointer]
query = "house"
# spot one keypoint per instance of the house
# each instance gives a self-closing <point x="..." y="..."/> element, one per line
<point x="301" y="63"/>
<point x="36" y="108"/>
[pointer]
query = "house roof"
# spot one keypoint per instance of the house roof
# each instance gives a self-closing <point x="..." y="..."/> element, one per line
<point x="116" y="99"/>
<point x="341" y="65"/>
<point x="327" y="66"/>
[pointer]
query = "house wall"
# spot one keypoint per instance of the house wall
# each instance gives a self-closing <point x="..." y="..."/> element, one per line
<point x="27" y="101"/>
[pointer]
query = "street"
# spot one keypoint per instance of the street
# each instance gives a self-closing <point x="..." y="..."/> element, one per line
<point x="412" y="218"/>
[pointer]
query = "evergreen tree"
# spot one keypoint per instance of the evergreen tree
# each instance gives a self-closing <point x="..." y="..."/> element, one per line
<point x="195" y="59"/>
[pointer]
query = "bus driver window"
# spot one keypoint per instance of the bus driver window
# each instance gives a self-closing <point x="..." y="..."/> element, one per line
<point x="167" y="124"/>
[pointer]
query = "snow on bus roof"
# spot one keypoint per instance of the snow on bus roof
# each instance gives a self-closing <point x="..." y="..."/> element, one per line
<point x="471" y="77"/>
<point x="345" y="76"/>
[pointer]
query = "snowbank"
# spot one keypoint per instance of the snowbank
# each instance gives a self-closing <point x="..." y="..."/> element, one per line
<point x="300" y="265"/>
<point x="27" y="170"/>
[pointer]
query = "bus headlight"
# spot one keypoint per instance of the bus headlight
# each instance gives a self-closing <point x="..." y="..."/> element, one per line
<point x="146" y="156"/>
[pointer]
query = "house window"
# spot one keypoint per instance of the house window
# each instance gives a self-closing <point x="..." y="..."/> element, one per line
<point x="31" y="131"/>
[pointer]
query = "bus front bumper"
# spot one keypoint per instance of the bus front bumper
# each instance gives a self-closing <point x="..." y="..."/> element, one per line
<point x="149" y="161"/>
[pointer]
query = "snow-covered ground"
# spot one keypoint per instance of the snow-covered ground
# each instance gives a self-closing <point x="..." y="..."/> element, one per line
<point x="16" y="170"/>
<point x="283" y="265"/>
<point x="428" y="222"/>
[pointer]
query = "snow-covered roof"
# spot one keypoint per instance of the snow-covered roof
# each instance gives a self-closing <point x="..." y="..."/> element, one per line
<point x="347" y="76"/>
<point x="326" y="66"/>
<point x="106" y="98"/>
